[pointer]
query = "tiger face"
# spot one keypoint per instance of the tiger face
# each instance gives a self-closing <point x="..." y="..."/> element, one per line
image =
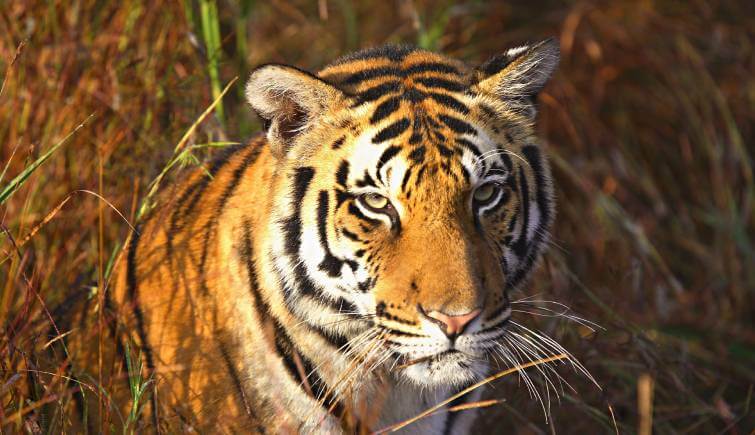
<point x="412" y="195"/>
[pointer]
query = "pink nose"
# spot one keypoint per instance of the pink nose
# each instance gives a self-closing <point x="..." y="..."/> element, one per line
<point x="452" y="325"/>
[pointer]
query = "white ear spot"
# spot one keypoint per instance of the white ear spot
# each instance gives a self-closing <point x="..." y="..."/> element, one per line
<point x="516" y="51"/>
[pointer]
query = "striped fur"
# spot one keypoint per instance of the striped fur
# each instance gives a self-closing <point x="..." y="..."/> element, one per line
<point x="270" y="297"/>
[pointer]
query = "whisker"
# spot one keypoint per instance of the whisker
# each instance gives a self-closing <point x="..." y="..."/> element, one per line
<point x="553" y="345"/>
<point x="564" y="313"/>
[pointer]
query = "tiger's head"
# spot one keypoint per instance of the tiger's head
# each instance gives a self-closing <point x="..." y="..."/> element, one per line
<point x="410" y="196"/>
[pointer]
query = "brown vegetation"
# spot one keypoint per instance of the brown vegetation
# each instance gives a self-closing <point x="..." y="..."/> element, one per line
<point x="649" y="124"/>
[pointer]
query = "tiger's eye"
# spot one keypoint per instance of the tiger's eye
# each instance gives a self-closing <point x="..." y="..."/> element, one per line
<point x="485" y="193"/>
<point x="376" y="201"/>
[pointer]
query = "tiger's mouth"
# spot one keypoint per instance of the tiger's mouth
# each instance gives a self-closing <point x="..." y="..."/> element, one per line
<point x="447" y="368"/>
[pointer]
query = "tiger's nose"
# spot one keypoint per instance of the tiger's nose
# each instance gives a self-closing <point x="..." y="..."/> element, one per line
<point x="451" y="325"/>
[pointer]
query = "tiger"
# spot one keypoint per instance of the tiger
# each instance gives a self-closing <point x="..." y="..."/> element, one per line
<point x="350" y="266"/>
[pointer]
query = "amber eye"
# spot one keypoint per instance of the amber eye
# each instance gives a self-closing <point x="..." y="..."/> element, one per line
<point x="486" y="193"/>
<point x="375" y="201"/>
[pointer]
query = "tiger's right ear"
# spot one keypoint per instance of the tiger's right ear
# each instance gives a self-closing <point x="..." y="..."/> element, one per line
<point x="288" y="100"/>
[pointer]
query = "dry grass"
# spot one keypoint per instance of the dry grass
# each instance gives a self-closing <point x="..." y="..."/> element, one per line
<point x="649" y="121"/>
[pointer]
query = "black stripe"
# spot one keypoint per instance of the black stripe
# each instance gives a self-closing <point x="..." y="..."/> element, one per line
<point x="513" y="221"/>
<point x="201" y="184"/>
<point x="465" y="173"/>
<point x="387" y="155"/>
<point x="366" y="285"/>
<point x="247" y="256"/>
<point x="218" y="163"/>
<point x="506" y="161"/>
<point x="391" y="131"/>
<point x="336" y="340"/>
<point x="330" y="263"/>
<point x="338" y="143"/>
<point x="404" y="182"/>
<point x="533" y="157"/>
<point x="424" y="67"/>
<point x="491" y="114"/>
<point x="351" y="236"/>
<point x="392" y="52"/>
<point x="376" y="92"/>
<point x="420" y="174"/>
<point x="457" y="125"/>
<point x="132" y="285"/>
<point x="495" y="64"/>
<point x="496" y="327"/>
<point x="342" y="196"/>
<point x="417" y="155"/>
<point x="520" y="245"/>
<point x="241" y="394"/>
<point x="414" y="95"/>
<point x="397" y="333"/>
<point x="283" y="344"/>
<point x="396" y="319"/>
<point x="532" y="154"/>
<point x="385" y="109"/>
<point x="497" y="312"/>
<point x="285" y="349"/>
<point x="441" y="83"/>
<point x="211" y="225"/>
<point x="354" y="210"/>
<point x="471" y="147"/>
<point x="367" y="180"/>
<point x="368" y="74"/>
<point x="292" y="225"/>
<point x="450" y="102"/>
<point x="444" y="151"/>
<point x="342" y="175"/>
<point x="417" y="128"/>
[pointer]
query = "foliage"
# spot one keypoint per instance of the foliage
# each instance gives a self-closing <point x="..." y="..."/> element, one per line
<point x="649" y="124"/>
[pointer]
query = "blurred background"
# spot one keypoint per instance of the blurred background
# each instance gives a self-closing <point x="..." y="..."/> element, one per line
<point x="649" y="124"/>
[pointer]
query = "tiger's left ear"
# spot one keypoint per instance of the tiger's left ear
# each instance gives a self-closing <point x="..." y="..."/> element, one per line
<point x="520" y="72"/>
<point x="289" y="101"/>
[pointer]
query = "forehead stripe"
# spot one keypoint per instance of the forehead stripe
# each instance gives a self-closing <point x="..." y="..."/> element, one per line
<point x="417" y="68"/>
<point x="438" y="67"/>
<point x="418" y="154"/>
<point x="385" y="109"/>
<point x="449" y="102"/>
<point x="368" y="74"/>
<point x="440" y="83"/>
<point x="376" y="92"/>
<point x="457" y="125"/>
<point x="391" y="131"/>
<point x="387" y="155"/>
<point x="470" y="146"/>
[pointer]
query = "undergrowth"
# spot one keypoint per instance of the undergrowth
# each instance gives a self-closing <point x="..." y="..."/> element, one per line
<point x="649" y="125"/>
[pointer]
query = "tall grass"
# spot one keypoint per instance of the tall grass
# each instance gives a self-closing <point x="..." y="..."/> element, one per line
<point x="649" y="126"/>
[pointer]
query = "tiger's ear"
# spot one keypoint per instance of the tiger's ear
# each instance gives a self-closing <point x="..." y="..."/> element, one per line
<point x="288" y="100"/>
<point x="520" y="73"/>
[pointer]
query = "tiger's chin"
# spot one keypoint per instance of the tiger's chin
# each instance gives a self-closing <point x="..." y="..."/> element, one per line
<point x="448" y="369"/>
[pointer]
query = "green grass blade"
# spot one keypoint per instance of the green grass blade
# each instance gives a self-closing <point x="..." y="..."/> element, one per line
<point x="21" y="178"/>
<point x="208" y="11"/>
